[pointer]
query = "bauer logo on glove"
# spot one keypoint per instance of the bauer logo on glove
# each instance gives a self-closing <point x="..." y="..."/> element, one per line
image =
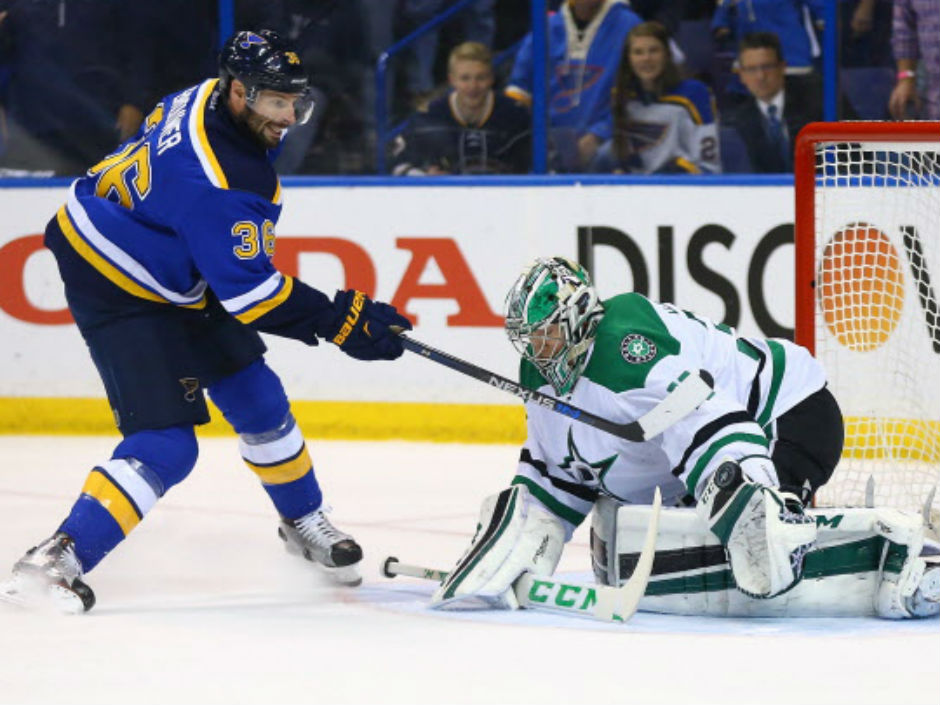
<point x="361" y="327"/>
<point x="355" y="308"/>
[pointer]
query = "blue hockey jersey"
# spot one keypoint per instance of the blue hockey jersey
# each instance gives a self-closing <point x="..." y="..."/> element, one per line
<point x="188" y="203"/>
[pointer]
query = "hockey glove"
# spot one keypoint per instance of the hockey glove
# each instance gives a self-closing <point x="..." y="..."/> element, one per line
<point x="765" y="532"/>
<point x="360" y="327"/>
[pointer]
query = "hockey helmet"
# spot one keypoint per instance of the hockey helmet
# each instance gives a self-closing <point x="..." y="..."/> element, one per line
<point x="264" y="61"/>
<point x="552" y="314"/>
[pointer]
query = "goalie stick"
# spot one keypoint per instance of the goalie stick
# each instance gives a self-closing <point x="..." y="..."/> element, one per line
<point x="602" y="602"/>
<point x="685" y="396"/>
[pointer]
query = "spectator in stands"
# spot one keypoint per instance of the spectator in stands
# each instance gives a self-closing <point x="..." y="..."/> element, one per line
<point x="866" y="64"/>
<point x="916" y="36"/>
<point x="662" y="124"/>
<point x="584" y="41"/>
<point x="65" y="83"/>
<point x="472" y="130"/>
<point x="774" y="112"/>
<point x="390" y="20"/>
<point x="477" y="23"/>
<point x="788" y="19"/>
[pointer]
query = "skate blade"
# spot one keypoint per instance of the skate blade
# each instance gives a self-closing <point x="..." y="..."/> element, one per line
<point x="347" y="576"/>
<point x="38" y="596"/>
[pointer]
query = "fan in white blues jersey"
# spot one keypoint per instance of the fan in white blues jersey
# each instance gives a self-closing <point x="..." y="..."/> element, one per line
<point x="749" y="458"/>
<point x="661" y="124"/>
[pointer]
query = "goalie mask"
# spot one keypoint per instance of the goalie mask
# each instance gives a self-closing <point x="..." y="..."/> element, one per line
<point x="552" y="314"/>
<point x="263" y="61"/>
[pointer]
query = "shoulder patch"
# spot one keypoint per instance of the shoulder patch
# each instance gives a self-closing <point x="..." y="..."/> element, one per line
<point x="636" y="349"/>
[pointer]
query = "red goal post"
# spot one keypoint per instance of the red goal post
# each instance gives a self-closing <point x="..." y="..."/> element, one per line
<point x="867" y="276"/>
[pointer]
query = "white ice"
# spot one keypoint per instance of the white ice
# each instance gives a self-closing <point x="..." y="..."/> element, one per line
<point x="201" y="604"/>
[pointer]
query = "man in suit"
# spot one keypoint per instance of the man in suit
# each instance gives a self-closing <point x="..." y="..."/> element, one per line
<point x="777" y="106"/>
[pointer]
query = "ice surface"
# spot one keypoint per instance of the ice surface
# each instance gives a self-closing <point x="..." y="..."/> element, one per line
<point x="202" y="604"/>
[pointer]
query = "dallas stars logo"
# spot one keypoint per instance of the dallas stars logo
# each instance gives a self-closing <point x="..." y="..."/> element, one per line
<point x="582" y="470"/>
<point x="637" y="349"/>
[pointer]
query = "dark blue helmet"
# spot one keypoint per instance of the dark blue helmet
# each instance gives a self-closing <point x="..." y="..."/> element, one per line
<point x="264" y="61"/>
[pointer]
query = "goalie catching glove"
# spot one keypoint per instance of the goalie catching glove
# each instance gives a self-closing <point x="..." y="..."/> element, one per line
<point x="360" y="327"/>
<point x="515" y="534"/>
<point x="765" y="532"/>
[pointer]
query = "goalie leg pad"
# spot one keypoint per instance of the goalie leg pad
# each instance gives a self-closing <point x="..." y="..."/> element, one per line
<point x="854" y="570"/>
<point x="915" y="590"/>
<point x="766" y="539"/>
<point x="515" y="534"/>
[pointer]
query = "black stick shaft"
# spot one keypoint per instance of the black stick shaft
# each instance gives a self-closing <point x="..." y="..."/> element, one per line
<point x="632" y="431"/>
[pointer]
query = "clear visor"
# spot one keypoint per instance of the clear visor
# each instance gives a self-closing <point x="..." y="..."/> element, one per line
<point x="283" y="108"/>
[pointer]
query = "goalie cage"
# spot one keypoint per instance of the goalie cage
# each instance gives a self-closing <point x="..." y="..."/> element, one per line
<point x="867" y="252"/>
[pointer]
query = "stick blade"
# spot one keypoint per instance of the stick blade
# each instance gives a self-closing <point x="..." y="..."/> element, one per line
<point x="620" y="604"/>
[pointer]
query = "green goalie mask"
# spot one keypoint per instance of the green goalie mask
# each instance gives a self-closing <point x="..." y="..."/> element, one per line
<point x="552" y="314"/>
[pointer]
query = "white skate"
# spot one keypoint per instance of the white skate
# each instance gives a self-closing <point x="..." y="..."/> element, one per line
<point x="49" y="576"/>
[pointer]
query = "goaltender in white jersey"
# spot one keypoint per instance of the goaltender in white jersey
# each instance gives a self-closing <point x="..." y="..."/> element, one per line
<point x="748" y="459"/>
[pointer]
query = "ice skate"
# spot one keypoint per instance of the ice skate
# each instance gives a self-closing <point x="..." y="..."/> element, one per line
<point x="316" y="539"/>
<point x="49" y="576"/>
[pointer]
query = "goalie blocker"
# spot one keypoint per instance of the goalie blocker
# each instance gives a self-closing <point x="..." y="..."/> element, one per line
<point x="866" y="561"/>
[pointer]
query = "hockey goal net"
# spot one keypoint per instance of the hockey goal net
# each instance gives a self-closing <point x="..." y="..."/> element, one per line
<point x="867" y="275"/>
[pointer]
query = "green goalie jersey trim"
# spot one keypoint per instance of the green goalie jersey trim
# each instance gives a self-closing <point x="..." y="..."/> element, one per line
<point x="625" y="315"/>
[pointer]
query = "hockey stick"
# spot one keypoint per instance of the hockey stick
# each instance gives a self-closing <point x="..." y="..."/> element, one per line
<point x="602" y="602"/>
<point x="685" y="396"/>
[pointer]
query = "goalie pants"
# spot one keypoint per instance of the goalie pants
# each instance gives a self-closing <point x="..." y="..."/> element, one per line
<point x="156" y="361"/>
<point x="807" y="444"/>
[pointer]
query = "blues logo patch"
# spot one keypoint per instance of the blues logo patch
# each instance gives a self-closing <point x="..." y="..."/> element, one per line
<point x="637" y="349"/>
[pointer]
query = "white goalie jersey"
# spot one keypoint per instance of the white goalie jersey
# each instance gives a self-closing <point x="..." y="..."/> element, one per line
<point x="641" y="349"/>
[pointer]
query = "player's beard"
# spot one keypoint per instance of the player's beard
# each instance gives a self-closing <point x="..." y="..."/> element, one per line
<point x="257" y="125"/>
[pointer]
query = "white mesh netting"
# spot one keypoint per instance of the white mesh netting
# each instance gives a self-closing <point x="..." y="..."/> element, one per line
<point x="877" y="321"/>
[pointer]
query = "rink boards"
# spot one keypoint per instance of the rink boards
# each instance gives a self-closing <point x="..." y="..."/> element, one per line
<point x="446" y="254"/>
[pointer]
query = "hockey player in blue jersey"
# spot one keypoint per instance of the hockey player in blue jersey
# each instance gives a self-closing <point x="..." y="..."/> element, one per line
<point x="165" y="250"/>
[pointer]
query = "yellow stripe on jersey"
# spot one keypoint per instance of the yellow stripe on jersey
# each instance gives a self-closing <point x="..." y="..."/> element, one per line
<point x="285" y="472"/>
<point x="105" y="268"/>
<point x="109" y="496"/>
<point x="519" y="95"/>
<point x="685" y="103"/>
<point x="687" y="165"/>
<point x="258" y="310"/>
<point x="200" y="113"/>
<point x="112" y="159"/>
<point x="276" y="200"/>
